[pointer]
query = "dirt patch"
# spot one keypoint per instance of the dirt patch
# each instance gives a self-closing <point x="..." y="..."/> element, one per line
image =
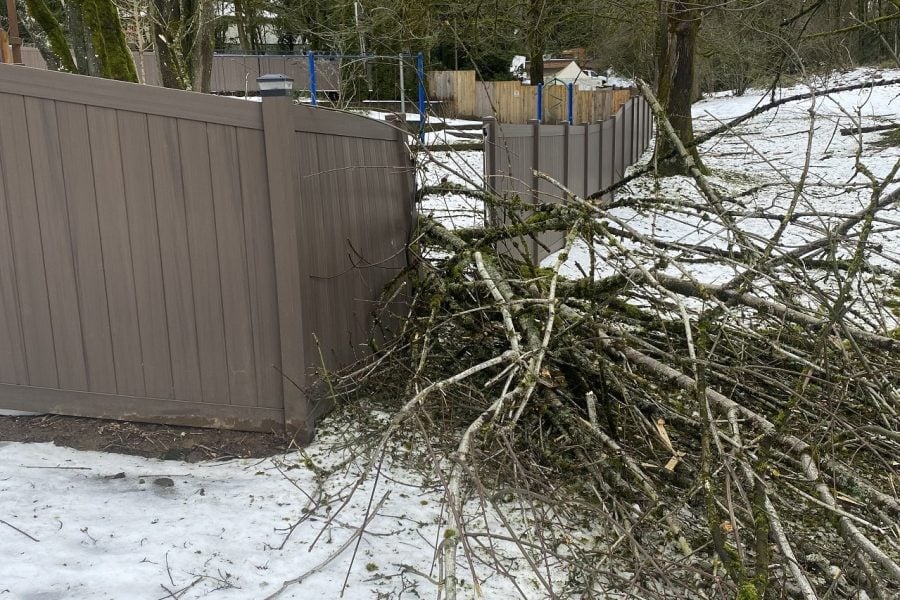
<point x="141" y="439"/>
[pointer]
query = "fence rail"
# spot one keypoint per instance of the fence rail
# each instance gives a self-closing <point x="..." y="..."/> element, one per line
<point x="585" y="158"/>
<point x="511" y="102"/>
<point x="182" y="258"/>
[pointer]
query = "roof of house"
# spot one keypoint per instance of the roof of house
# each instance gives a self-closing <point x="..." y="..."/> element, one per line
<point x="552" y="65"/>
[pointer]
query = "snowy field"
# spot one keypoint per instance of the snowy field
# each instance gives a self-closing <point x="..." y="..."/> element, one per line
<point x="106" y="526"/>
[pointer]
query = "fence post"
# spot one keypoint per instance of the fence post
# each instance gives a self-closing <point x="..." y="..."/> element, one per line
<point x="623" y="140"/>
<point x="612" y="154"/>
<point x="600" y="135"/>
<point x="14" y="39"/>
<point x="5" y="50"/>
<point x="284" y="194"/>
<point x="402" y="91"/>
<point x="490" y="166"/>
<point x="586" y="160"/>
<point x="540" y="103"/>
<point x="567" y="154"/>
<point x="535" y="181"/>
<point x="409" y="176"/>
<point x="420" y="68"/>
<point x="570" y="103"/>
<point x="646" y="130"/>
<point x="639" y="107"/>
<point x="312" y="79"/>
<point x="635" y="129"/>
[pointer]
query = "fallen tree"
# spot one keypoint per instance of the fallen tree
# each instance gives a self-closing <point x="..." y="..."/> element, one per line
<point x="667" y="437"/>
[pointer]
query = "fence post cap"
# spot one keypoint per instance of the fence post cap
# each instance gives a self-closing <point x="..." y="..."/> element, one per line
<point x="275" y="85"/>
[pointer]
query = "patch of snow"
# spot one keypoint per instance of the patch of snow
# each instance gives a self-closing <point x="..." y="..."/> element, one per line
<point x="768" y="152"/>
<point x="454" y="210"/>
<point x="90" y="525"/>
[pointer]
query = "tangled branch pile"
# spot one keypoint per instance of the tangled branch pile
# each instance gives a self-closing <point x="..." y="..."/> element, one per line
<point x="666" y="436"/>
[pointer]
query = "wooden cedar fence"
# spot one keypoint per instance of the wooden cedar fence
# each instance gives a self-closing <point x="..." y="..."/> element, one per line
<point x="183" y="258"/>
<point x="511" y="102"/>
<point x="6" y="55"/>
<point x="232" y="73"/>
<point x="585" y="158"/>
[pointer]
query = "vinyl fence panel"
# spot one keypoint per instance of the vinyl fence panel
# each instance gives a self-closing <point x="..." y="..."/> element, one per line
<point x="585" y="159"/>
<point x="169" y="256"/>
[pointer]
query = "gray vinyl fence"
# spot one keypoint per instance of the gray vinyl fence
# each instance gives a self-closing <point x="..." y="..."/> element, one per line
<point x="183" y="258"/>
<point x="233" y="73"/>
<point x="585" y="158"/>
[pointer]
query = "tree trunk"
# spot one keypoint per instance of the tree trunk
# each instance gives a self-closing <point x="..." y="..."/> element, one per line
<point x="55" y="38"/>
<point x="183" y="34"/>
<point x="240" y="19"/>
<point x="202" y="49"/>
<point x="38" y="37"/>
<point x="676" y="63"/>
<point x="108" y="37"/>
<point x="97" y="37"/>
<point x="536" y="67"/>
<point x="536" y="40"/>
<point x="86" y="57"/>
<point x="167" y="42"/>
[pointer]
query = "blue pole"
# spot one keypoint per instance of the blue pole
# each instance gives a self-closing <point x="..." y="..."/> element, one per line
<point x="420" y="68"/>
<point x="312" y="78"/>
<point x="540" y="102"/>
<point x="571" y="98"/>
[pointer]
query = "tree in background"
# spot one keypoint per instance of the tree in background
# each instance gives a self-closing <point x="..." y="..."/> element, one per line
<point x="183" y="40"/>
<point x="679" y="31"/>
<point x="742" y="42"/>
<point x="92" y="41"/>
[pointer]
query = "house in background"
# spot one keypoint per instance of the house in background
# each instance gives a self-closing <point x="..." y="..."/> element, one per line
<point x="562" y="70"/>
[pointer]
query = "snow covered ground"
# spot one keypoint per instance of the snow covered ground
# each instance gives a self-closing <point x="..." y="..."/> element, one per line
<point x="769" y="152"/>
<point x="108" y="526"/>
<point x="442" y="131"/>
<point x="454" y="210"/>
<point x="97" y="525"/>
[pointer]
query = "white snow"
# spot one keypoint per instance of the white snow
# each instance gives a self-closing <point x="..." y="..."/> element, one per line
<point x="96" y="525"/>
<point x="770" y="151"/>
<point x="454" y="210"/>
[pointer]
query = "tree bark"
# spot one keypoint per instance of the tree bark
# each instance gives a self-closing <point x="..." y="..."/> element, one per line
<point x="97" y="38"/>
<point x="183" y="34"/>
<point x="536" y="40"/>
<point x="56" y="39"/>
<point x="38" y="37"/>
<point x="82" y="45"/>
<point x="240" y="19"/>
<point x="202" y="48"/>
<point x="167" y="24"/>
<point x="108" y="38"/>
<point x="676" y="63"/>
